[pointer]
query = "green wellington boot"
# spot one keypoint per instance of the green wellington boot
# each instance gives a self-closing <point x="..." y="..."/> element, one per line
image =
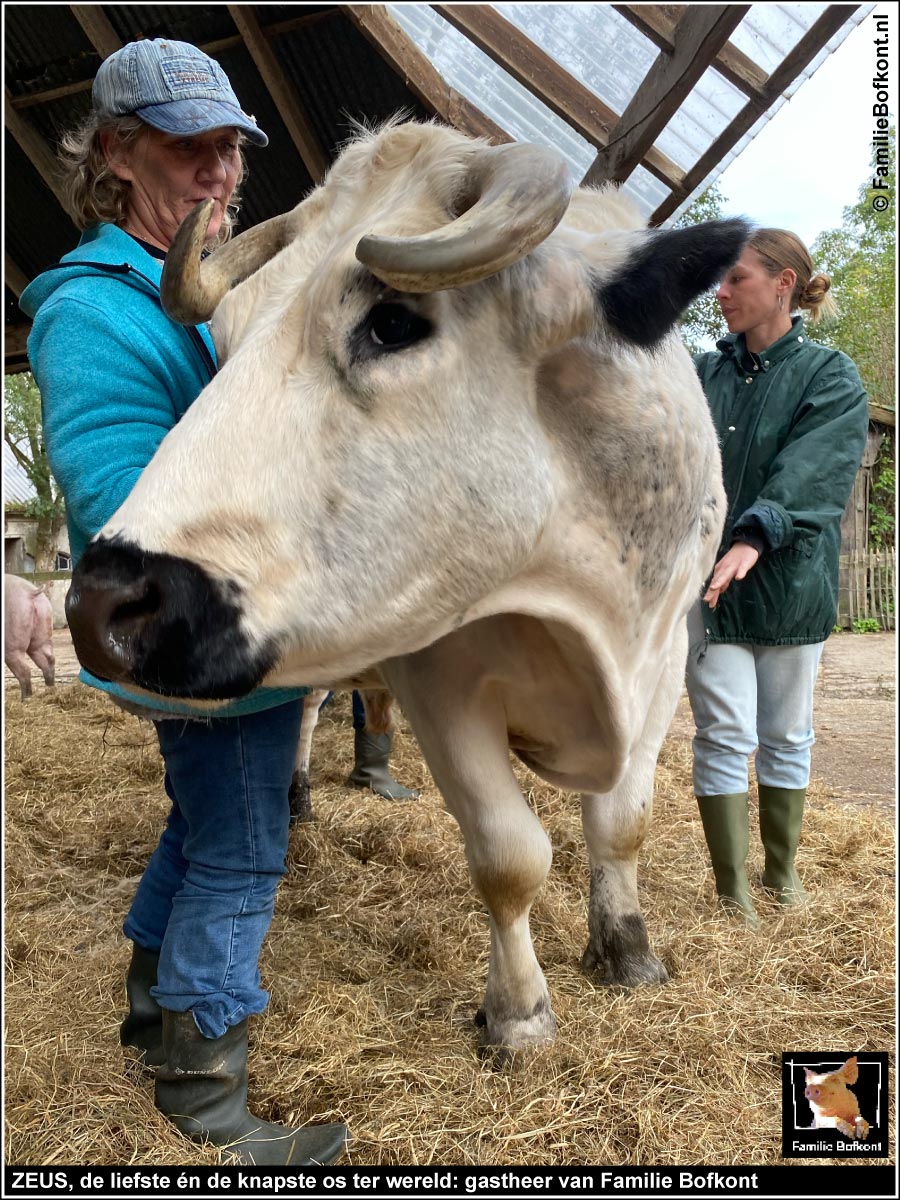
<point x="142" y="1027"/>
<point x="726" y="824"/>
<point x="371" y="770"/>
<point x="202" y="1088"/>
<point x="780" y="818"/>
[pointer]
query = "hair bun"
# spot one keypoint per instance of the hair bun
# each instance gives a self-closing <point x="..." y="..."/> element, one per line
<point x="816" y="289"/>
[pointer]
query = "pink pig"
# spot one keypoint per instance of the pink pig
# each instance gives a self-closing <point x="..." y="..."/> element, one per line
<point x="28" y="631"/>
<point x="833" y="1105"/>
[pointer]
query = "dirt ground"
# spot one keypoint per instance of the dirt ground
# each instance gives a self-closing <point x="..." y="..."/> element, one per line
<point x="855" y="751"/>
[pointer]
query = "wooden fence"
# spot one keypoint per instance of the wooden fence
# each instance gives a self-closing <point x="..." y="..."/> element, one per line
<point x="869" y="587"/>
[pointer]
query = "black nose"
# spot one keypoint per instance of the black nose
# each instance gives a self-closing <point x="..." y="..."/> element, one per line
<point x="162" y="623"/>
<point x="106" y="616"/>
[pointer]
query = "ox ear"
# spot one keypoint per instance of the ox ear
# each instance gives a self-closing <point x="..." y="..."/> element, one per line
<point x="665" y="273"/>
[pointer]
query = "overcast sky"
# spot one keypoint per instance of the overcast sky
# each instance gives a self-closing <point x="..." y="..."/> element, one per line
<point x="808" y="162"/>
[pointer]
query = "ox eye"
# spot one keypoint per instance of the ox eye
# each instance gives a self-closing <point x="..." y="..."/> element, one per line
<point x="393" y="326"/>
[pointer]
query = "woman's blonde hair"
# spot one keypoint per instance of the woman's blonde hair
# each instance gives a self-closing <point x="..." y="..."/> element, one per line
<point x="94" y="193"/>
<point x="779" y="249"/>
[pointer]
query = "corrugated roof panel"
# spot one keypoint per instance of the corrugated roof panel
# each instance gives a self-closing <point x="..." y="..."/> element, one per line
<point x="769" y="32"/>
<point x="474" y="75"/>
<point x="17" y="487"/>
<point x="592" y="42"/>
<point x="701" y="118"/>
<point x="339" y="80"/>
<point x="45" y="47"/>
<point x="197" y="23"/>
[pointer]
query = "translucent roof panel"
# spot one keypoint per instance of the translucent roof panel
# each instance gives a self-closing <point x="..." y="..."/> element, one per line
<point x="769" y="32"/>
<point x="594" y="44"/>
<point x="611" y="58"/>
<point x="489" y="87"/>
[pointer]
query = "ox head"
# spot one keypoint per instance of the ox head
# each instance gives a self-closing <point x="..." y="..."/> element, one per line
<point x="370" y="461"/>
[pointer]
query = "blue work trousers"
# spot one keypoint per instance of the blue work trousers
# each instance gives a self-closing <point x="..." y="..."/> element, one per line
<point x="206" y="899"/>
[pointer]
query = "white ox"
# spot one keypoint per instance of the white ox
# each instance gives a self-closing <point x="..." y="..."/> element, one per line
<point x="456" y="440"/>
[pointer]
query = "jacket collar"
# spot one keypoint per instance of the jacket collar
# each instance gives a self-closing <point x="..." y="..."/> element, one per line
<point x="734" y="346"/>
<point x="103" y="244"/>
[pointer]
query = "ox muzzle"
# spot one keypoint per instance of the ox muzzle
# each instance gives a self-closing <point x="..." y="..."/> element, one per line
<point x="161" y="623"/>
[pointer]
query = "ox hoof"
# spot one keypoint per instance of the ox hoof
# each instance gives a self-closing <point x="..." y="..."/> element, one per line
<point x="299" y="799"/>
<point x="502" y="1036"/>
<point x="630" y="970"/>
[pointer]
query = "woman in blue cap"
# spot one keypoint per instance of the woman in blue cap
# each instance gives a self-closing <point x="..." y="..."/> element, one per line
<point x="115" y="374"/>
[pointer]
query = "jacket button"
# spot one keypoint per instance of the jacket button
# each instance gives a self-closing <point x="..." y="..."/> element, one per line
<point x="749" y="379"/>
<point x="731" y="429"/>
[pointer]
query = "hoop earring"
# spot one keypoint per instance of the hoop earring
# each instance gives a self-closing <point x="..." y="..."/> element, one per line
<point x="781" y="303"/>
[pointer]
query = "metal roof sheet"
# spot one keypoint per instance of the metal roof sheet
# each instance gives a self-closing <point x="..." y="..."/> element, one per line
<point x="17" y="487"/>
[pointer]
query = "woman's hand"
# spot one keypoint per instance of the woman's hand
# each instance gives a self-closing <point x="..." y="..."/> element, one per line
<point x="734" y="565"/>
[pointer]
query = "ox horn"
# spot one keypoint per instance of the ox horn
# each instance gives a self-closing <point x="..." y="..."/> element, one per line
<point x="521" y="193"/>
<point x="191" y="289"/>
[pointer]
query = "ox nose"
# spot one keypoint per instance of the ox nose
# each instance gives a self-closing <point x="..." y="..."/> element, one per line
<point x="162" y="623"/>
<point x="106" y="618"/>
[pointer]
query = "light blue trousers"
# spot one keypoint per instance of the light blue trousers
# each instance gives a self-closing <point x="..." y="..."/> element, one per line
<point x="747" y="698"/>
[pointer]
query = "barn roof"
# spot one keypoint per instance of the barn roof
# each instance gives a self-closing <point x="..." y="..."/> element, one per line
<point x="17" y="487"/>
<point x="658" y="97"/>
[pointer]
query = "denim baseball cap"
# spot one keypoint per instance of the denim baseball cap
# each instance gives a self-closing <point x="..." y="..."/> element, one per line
<point x="172" y="86"/>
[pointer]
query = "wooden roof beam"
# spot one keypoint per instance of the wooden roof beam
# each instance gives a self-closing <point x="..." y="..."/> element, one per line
<point x="428" y="85"/>
<point x="34" y="147"/>
<point x="657" y="23"/>
<point x="281" y="90"/>
<point x="535" y="70"/>
<point x="13" y="276"/>
<point x="95" y="23"/>
<point x="699" y="36"/>
<point x="784" y="74"/>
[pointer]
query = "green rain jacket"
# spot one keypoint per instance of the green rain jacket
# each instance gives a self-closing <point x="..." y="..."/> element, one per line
<point x="792" y="425"/>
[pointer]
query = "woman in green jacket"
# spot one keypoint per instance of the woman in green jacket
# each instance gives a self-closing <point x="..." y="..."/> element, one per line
<point x="791" y="416"/>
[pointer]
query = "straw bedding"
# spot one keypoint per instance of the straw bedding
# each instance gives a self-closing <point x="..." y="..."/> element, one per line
<point x="376" y="962"/>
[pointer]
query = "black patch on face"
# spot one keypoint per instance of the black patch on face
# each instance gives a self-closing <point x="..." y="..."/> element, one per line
<point x="658" y="282"/>
<point x="175" y="629"/>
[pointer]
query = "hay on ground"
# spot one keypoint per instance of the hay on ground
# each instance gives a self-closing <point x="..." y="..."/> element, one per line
<point x="377" y="958"/>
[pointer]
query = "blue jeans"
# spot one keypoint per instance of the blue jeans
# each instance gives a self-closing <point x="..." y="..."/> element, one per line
<point x="747" y="698"/>
<point x="206" y="899"/>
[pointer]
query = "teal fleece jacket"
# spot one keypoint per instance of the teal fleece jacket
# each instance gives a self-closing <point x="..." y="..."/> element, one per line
<point x="115" y="375"/>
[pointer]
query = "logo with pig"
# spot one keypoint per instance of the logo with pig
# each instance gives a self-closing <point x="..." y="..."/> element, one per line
<point x="834" y="1105"/>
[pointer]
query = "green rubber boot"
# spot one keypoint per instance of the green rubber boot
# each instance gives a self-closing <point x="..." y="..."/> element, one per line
<point x="780" y="818"/>
<point x="726" y="825"/>
<point x="142" y="1027"/>
<point x="202" y="1088"/>
<point x="371" y="770"/>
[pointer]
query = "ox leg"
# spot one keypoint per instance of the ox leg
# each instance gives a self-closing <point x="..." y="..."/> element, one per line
<point x="21" y="668"/>
<point x="462" y="733"/>
<point x="615" y="825"/>
<point x="298" y="795"/>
